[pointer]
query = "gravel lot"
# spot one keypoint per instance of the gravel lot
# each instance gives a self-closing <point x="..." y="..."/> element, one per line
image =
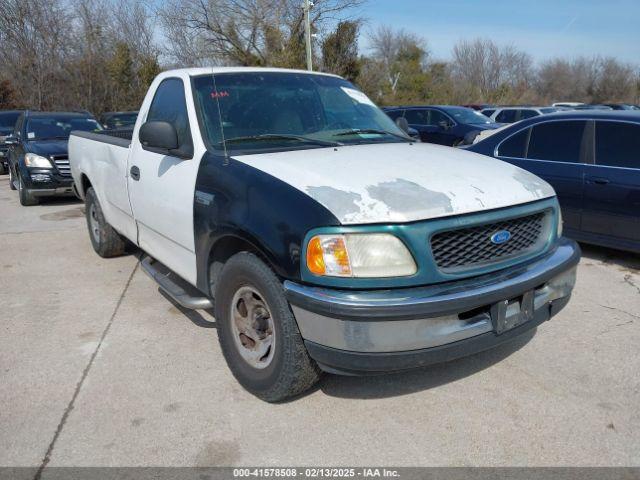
<point x="97" y="368"/>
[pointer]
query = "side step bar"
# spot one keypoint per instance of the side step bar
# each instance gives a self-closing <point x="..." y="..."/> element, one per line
<point x="178" y="289"/>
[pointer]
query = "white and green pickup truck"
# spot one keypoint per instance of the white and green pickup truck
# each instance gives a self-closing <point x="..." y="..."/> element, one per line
<point x="325" y="238"/>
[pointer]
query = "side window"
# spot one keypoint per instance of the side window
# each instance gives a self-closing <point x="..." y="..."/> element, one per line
<point x="528" y="114"/>
<point x="506" y="116"/>
<point x="515" y="146"/>
<point x="556" y="141"/>
<point x="417" y="117"/>
<point x="488" y="112"/>
<point x="394" y="114"/>
<point x="169" y="105"/>
<point x="436" y="117"/>
<point x="618" y="144"/>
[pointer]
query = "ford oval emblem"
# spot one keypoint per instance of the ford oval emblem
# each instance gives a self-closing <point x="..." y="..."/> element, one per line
<point x="501" y="237"/>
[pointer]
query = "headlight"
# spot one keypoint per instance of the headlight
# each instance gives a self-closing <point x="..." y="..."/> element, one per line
<point x="359" y="255"/>
<point x="33" y="160"/>
<point x="560" y="222"/>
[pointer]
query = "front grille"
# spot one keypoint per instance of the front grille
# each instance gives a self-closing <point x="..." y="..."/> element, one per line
<point x="62" y="164"/>
<point x="466" y="248"/>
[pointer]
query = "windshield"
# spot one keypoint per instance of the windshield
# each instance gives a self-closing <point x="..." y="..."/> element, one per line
<point x="8" y="120"/>
<point x="120" y="120"/>
<point x="467" y="115"/>
<point x="51" y="128"/>
<point x="278" y="110"/>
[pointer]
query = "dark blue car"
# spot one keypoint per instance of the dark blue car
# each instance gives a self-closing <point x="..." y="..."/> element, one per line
<point x="592" y="160"/>
<point x="444" y="125"/>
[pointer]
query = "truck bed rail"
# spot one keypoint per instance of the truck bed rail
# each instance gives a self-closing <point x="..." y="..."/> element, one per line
<point x="105" y="137"/>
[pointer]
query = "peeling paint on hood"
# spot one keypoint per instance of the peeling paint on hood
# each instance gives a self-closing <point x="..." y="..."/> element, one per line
<point x="399" y="182"/>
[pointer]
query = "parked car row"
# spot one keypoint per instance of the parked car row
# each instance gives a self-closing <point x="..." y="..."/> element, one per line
<point x="592" y="160"/>
<point x="34" y="149"/>
<point x="515" y="114"/>
<point x="444" y="125"/>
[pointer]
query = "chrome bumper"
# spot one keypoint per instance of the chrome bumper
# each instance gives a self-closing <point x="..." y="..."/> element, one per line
<point x="419" y="319"/>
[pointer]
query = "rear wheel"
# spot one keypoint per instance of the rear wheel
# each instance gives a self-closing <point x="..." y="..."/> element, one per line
<point x="104" y="239"/>
<point x="26" y="197"/>
<point x="258" y="334"/>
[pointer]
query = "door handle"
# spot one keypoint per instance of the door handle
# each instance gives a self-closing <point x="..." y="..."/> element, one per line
<point x="135" y="173"/>
<point x="599" y="180"/>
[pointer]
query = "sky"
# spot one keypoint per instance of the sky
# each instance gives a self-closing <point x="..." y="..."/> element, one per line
<point x="543" y="28"/>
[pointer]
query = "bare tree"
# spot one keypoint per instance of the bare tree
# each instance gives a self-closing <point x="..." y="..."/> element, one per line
<point x="33" y="31"/>
<point x="484" y="69"/>
<point x="586" y="79"/>
<point x="243" y="32"/>
<point x="615" y="82"/>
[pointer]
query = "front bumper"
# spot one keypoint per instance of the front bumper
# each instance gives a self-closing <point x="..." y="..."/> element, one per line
<point x="47" y="182"/>
<point x="359" y="332"/>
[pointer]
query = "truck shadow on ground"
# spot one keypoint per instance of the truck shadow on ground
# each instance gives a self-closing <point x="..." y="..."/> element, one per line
<point x="412" y="381"/>
<point x="197" y="318"/>
<point x="627" y="261"/>
<point x="60" y="201"/>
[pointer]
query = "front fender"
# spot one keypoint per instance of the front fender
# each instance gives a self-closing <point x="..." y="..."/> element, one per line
<point x="232" y="199"/>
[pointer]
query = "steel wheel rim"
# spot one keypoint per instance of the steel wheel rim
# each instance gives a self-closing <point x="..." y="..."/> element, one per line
<point x="94" y="225"/>
<point x="252" y="327"/>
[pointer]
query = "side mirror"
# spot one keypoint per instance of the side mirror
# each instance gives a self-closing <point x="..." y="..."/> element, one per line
<point x="402" y="124"/>
<point x="160" y="136"/>
<point x="444" y="124"/>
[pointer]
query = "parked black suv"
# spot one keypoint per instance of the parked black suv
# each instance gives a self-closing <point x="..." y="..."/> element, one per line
<point x="38" y="159"/>
<point x="8" y="120"/>
<point x="116" y="120"/>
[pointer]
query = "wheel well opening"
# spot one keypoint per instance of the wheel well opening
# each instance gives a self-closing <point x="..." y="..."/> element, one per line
<point x="223" y="250"/>
<point x="86" y="184"/>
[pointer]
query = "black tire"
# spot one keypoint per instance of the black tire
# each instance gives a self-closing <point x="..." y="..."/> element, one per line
<point x="12" y="184"/>
<point x="291" y="371"/>
<point x="104" y="239"/>
<point x="26" y="197"/>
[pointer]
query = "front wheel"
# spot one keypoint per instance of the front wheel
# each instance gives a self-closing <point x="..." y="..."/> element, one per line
<point x="105" y="240"/>
<point x="258" y="334"/>
<point x="26" y="197"/>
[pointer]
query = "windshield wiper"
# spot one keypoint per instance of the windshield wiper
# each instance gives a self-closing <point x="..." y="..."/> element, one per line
<point x="357" y="131"/>
<point x="278" y="136"/>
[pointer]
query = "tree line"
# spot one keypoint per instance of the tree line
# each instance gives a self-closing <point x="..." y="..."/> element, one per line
<point x="101" y="55"/>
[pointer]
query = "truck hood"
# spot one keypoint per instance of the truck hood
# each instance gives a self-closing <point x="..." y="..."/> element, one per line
<point x="401" y="182"/>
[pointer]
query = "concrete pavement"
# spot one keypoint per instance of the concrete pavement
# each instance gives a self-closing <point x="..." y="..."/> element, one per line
<point x="97" y="368"/>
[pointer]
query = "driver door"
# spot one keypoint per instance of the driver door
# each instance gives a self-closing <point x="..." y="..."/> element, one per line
<point x="161" y="187"/>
